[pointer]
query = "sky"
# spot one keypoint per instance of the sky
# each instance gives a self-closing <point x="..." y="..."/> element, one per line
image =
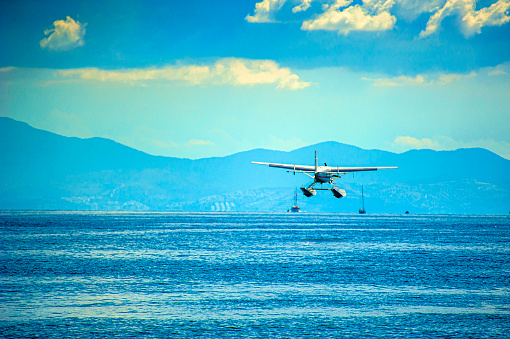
<point x="196" y="79"/>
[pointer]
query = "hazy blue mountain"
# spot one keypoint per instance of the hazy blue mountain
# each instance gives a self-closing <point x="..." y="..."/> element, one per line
<point x="42" y="170"/>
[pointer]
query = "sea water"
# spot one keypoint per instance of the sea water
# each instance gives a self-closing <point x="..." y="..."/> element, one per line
<point x="211" y="275"/>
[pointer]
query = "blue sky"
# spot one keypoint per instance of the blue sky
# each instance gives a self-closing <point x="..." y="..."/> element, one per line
<point x="197" y="79"/>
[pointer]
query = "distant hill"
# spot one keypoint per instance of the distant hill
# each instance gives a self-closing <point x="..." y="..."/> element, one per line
<point x="43" y="170"/>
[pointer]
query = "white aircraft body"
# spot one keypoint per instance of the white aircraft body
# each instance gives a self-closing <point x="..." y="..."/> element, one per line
<point x="322" y="175"/>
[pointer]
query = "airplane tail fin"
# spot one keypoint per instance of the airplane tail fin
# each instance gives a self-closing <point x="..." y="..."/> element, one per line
<point x="316" y="161"/>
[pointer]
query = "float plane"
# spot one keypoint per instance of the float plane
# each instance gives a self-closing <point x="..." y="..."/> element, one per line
<point x="321" y="175"/>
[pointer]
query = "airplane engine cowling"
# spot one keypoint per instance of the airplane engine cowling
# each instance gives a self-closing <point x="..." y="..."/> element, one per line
<point x="339" y="193"/>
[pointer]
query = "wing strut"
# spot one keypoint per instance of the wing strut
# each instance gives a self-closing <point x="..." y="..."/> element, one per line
<point x="316" y="161"/>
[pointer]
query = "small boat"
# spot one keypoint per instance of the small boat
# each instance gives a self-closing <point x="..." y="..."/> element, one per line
<point x="362" y="209"/>
<point x="295" y="207"/>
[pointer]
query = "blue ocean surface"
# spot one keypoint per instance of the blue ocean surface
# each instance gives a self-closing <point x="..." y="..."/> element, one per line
<point x="213" y="275"/>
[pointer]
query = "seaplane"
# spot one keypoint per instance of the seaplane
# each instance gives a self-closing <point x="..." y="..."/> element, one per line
<point x="321" y="175"/>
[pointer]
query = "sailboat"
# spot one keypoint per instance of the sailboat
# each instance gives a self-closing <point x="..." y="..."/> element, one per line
<point x="295" y="207"/>
<point x="362" y="209"/>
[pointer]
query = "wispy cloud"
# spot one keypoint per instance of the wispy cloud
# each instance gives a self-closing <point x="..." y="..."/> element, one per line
<point x="230" y="71"/>
<point x="414" y="143"/>
<point x="409" y="10"/>
<point x="195" y="142"/>
<point x="419" y="80"/>
<point x="285" y="144"/>
<point x="444" y="143"/>
<point x="471" y="20"/>
<point x="397" y="81"/>
<point x="64" y="35"/>
<point x="498" y="70"/>
<point x="64" y="123"/>
<point x="7" y="69"/>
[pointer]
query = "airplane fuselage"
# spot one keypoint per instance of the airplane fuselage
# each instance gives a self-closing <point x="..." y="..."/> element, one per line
<point x="322" y="175"/>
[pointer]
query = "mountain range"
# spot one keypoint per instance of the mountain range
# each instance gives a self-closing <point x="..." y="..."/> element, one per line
<point x="43" y="170"/>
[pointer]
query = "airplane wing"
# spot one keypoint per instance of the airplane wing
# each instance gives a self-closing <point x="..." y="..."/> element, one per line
<point x="300" y="168"/>
<point x="354" y="169"/>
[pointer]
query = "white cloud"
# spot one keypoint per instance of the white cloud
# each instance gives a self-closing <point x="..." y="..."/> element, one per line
<point x="7" y="69"/>
<point x="373" y="15"/>
<point x="398" y="81"/>
<point x="252" y="72"/>
<point x="195" y="142"/>
<point x="413" y="143"/>
<point x="192" y="74"/>
<point x="497" y="72"/>
<point x="378" y="6"/>
<point x="64" y="35"/>
<point x="303" y="6"/>
<point x="495" y="15"/>
<point x="419" y="80"/>
<point x="447" y="78"/>
<point x="444" y="143"/>
<point x="381" y="15"/>
<point x="157" y="143"/>
<point x="411" y="9"/>
<point x="471" y="20"/>
<point x="265" y="10"/>
<point x="337" y="4"/>
<point x="285" y="145"/>
<point x="164" y="145"/>
<point x="143" y="137"/>
<point x="68" y="124"/>
<point x="230" y="71"/>
<point x="502" y="69"/>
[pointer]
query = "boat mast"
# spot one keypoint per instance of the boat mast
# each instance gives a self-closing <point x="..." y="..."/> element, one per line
<point x="362" y="199"/>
